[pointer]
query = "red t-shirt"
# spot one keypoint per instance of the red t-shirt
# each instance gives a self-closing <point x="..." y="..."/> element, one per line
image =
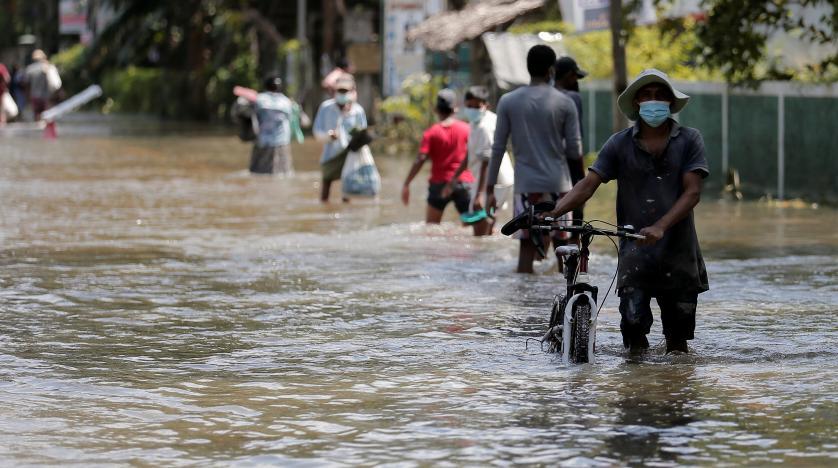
<point x="5" y="79"/>
<point x="446" y="146"/>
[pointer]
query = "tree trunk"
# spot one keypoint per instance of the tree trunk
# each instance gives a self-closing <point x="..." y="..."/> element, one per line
<point x="618" y="54"/>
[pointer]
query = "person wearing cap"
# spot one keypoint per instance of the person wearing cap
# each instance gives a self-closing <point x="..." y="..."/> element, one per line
<point x="659" y="167"/>
<point x="41" y="80"/>
<point x="334" y="123"/>
<point x="544" y="129"/>
<point x="568" y="75"/>
<point x="444" y="143"/>
<point x="342" y="70"/>
<point x="480" y="138"/>
<point x="272" y="148"/>
<point x="5" y="81"/>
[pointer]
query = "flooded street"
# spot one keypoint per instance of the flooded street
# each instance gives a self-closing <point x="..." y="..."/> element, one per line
<point x="159" y="305"/>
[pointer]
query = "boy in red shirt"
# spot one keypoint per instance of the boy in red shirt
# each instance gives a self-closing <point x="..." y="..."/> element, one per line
<point x="445" y="144"/>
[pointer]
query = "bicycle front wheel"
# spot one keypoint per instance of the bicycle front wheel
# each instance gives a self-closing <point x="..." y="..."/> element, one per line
<point x="581" y="330"/>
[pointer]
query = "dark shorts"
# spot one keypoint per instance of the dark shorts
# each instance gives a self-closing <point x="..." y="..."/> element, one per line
<point x="332" y="168"/>
<point x="461" y="196"/>
<point x="677" y="313"/>
<point x="271" y="160"/>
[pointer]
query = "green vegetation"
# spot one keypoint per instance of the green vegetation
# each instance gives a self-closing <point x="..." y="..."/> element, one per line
<point x="405" y="117"/>
<point x="731" y="44"/>
<point x="664" y="48"/>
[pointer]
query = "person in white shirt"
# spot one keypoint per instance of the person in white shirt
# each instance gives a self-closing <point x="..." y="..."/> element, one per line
<point x="480" y="141"/>
<point x="333" y="125"/>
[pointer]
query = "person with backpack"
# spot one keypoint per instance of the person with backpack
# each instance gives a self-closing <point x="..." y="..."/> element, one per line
<point x="273" y="112"/>
<point x="42" y="81"/>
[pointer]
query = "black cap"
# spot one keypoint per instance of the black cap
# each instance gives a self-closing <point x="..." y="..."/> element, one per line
<point x="478" y="92"/>
<point x="567" y="64"/>
<point x="273" y="83"/>
<point x="446" y="100"/>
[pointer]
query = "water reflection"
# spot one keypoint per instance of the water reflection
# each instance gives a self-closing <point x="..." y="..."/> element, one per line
<point x="653" y="415"/>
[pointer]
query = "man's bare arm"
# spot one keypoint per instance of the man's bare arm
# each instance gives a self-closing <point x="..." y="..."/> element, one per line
<point x="577" y="196"/>
<point x="414" y="169"/>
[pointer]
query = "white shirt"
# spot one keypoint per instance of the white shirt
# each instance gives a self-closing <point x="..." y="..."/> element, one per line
<point x="480" y="149"/>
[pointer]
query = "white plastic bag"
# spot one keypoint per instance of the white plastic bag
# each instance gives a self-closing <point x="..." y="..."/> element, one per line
<point x="360" y="176"/>
<point x="53" y="78"/>
<point x="9" y="106"/>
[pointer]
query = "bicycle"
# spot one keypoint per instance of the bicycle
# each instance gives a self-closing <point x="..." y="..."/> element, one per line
<point x="573" y="315"/>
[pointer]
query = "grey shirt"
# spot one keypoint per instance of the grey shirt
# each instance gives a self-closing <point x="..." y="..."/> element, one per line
<point x="545" y="131"/>
<point x="647" y="188"/>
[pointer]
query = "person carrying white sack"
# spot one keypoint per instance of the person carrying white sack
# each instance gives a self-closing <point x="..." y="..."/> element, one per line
<point x="335" y="120"/>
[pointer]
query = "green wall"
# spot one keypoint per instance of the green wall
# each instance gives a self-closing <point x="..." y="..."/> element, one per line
<point x="810" y="146"/>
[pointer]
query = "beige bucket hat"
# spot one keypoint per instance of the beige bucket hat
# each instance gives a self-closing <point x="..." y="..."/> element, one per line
<point x="651" y="75"/>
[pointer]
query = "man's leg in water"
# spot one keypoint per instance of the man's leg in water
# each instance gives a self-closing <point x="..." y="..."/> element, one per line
<point x="482" y="228"/>
<point x="636" y="318"/>
<point x="325" y="185"/>
<point x="433" y="215"/>
<point x="526" y="256"/>
<point x="678" y="320"/>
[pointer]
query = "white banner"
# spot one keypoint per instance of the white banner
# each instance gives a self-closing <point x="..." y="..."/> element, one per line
<point x="403" y="58"/>
<point x="594" y="15"/>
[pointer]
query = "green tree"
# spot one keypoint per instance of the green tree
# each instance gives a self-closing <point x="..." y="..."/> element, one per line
<point x="733" y="38"/>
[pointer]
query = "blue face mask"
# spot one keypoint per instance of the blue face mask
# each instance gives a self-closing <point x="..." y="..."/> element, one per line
<point x="654" y="113"/>
<point x="473" y="115"/>
<point x="341" y="98"/>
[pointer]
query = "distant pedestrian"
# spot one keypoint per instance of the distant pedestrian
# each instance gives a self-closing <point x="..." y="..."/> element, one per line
<point x="336" y="120"/>
<point x="272" y="148"/>
<point x="568" y="75"/>
<point x="342" y="70"/>
<point x="480" y="139"/>
<point x="42" y="81"/>
<point x="445" y="144"/>
<point x="17" y="88"/>
<point x="544" y="130"/>
<point x="5" y="81"/>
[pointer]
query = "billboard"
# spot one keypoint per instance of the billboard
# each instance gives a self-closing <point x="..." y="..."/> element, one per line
<point x="594" y="15"/>
<point x="72" y="17"/>
<point x="403" y="58"/>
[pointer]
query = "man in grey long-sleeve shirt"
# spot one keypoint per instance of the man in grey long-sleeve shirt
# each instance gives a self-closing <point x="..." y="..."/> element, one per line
<point x="544" y="128"/>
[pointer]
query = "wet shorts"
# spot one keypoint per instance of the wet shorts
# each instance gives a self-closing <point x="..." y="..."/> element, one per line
<point x="460" y="196"/>
<point x="271" y="160"/>
<point x="523" y="201"/>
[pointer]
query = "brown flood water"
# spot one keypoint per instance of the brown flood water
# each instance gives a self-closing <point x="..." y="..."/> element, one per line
<point x="159" y="305"/>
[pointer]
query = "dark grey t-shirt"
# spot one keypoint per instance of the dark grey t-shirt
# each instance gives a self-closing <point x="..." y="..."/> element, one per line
<point x="647" y="188"/>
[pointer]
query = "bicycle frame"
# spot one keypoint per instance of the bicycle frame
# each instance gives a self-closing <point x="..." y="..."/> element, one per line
<point x="578" y="324"/>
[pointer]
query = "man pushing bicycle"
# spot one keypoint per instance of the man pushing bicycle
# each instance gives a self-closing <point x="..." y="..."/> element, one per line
<point x="659" y="166"/>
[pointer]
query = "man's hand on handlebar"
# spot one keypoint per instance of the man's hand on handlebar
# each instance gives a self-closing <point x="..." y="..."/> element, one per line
<point x="652" y="234"/>
<point x="554" y="215"/>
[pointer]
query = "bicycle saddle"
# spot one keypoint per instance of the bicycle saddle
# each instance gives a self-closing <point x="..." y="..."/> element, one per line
<point x="523" y="220"/>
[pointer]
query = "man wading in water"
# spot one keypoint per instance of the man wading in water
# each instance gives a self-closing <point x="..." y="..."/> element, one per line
<point x="544" y="129"/>
<point x="659" y="166"/>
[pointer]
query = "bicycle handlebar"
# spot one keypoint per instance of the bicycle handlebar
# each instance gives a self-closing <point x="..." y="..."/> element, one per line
<point x="623" y="231"/>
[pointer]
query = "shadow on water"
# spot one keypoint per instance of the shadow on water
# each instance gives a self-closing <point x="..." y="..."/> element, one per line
<point x="158" y="305"/>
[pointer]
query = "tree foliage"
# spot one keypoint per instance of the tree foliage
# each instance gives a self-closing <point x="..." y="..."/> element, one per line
<point x="734" y="38"/>
<point x="730" y="43"/>
<point x="666" y="48"/>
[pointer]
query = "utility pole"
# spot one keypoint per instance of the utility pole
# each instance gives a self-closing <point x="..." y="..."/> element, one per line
<point x="618" y="54"/>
